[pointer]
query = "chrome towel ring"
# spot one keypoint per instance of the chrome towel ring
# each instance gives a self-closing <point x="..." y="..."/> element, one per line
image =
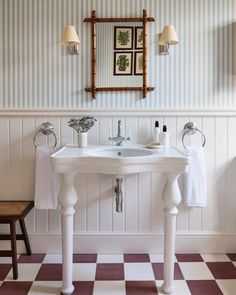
<point x="47" y="129"/>
<point x="190" y="129"/>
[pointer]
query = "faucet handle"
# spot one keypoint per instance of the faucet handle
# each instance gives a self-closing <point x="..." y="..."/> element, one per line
<point x="128" y="137"/>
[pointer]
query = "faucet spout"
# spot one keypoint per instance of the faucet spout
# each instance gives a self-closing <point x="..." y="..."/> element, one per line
<point x="119" y="138"/>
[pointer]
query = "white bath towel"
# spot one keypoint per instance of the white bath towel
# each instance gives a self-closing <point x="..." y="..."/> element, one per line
<point x="195" y="179"/>
<point x="46" y="181"/>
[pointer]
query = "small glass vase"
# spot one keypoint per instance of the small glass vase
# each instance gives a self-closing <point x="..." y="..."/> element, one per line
<point x="82" y="139"/>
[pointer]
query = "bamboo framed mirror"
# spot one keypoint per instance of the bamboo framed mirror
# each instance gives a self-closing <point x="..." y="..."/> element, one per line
<point x="119" y="54"/>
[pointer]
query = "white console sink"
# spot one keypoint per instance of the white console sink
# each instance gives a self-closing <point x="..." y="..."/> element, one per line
<point x="69" y="161"/>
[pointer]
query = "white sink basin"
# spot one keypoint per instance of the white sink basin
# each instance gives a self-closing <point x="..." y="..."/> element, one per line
<point x="120" y="152"/>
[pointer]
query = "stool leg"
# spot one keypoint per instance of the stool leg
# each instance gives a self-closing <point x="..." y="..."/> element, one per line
<point x="13" y="249"/>
<point x="25" y="236"/>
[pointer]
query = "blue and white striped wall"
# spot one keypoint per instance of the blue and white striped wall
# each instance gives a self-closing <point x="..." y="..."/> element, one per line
<point x="35" y="72"/>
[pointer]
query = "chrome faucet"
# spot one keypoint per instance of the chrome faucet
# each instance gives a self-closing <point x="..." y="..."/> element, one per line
<point x="119" y="138"/>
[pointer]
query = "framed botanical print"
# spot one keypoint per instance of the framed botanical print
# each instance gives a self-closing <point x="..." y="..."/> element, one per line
<point x="138" y="63"/>
<point x="123" y="38"/>
<point x="138" y="37"/>
<point x="123" y="63"/>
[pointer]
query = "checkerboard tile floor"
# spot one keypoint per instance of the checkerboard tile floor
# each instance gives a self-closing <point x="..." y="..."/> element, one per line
<point x="128" y="274"/>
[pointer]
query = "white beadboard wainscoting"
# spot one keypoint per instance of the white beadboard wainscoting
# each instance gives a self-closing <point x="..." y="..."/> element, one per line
<point x="139" y="227"/>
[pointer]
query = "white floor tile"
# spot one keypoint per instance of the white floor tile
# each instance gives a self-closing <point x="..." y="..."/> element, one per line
<point x="84" y="271"/>
<point x="195" y="271"/>
<point x="228" y="287"/>
<point x="180" y="287"/>
<point x="138" y="271"/>
<point x="110" y="259"/>
<point x="26" y="272"/>
<point x="48" y="287"/>
<point x="53" y="258"/>
<point x="109" y="287"/>
<point x="158" y="258"/>
<point x="7" y="260"/>
<point x="215" y="257"/>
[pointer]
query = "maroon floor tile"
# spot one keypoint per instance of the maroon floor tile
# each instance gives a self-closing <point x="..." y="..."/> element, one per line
<point x="15" y="288"/>
<point x="110" y="272"/>
<point x="232" y="256"/>
<point x="85" y="258"/>
<point x="222" y="270"/>
<point x="189" y="257"/>
<point x="136" y="258"/>
<point x="4" y="270"/>
<point x="34" y="258"/>
<point x="50" y="272"/>
<point x="204" y="287"/>
<point x="158" y="271"/>
<point x="141" y="288"/>
<point x="83" y="288"/>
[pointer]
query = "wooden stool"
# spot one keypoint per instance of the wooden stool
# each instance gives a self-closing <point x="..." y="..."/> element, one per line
<point x="10" y="212"/>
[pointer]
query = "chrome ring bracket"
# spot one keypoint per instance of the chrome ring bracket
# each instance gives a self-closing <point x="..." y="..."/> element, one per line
<point x="46" y="128"/>
<point x="189" y="129"/>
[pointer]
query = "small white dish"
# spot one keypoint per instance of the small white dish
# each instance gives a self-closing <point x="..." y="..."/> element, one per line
<point x="154" y="146"/>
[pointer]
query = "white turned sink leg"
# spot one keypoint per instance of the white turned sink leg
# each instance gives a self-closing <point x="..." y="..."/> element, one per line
<point x="171" y="198"/>
<point x="67" y="199"/>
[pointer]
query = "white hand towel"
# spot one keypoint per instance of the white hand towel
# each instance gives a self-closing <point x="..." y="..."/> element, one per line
<point x="195" y="179"/>
<point x="46" y="181"/>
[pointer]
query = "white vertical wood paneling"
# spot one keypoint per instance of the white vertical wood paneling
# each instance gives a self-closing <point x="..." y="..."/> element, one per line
<point x="105" y="203"/>
<point x="221" y="139"/>
<point x="195" y="214"/>
<point x="15" y="160"/>
<point x="156" y="212"/>
<point x="41" y="216"/>
<point x="144" y="130"/>
<point x="131" y="203"/>
<point x="54" y="223"/>
<point x="4" y="159"/>
<point x="183" y="216"/>
<point x="81" y="209"/>
<point x="95" y="211"/>
<point x="66" y="133"/>
<point x="105" y="127"/>
<point x="132" y="129"/>
<point x="231" y="169"/>
<point x="92" y="204"/>
<point x="36" y="72"/>
<point x="208" y="219"/>
<point x="144" y="202"/>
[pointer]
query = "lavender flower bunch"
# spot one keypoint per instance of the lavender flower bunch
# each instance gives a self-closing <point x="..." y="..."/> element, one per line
<point x="83" y="124"/>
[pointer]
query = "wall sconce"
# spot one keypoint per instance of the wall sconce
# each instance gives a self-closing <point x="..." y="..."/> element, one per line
<point x="168" y="37"/>
<point x="70" y="39"/>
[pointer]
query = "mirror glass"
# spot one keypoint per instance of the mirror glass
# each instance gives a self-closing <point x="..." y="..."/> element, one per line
<point x="119" y="54"/>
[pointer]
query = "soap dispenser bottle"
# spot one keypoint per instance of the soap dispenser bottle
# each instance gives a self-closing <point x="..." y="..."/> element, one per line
<point x="156" y="133"/>
<point x="165" y="137"/>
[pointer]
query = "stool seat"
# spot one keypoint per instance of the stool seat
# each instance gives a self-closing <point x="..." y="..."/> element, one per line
<point x="10" y="212"/>
<point x="15" y="209"/>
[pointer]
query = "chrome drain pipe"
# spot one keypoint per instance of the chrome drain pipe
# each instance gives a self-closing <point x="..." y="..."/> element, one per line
<point x="119" y="195"/>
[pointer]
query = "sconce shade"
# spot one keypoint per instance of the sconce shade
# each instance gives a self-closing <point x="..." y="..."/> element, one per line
<point x="69" y="36"/>
<point x="168" y="36"/>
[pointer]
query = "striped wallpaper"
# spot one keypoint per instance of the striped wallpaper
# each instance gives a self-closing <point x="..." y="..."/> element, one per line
<point x="35" y="72"/>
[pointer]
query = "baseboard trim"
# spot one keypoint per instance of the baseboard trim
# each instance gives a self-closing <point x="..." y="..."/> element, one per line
<point x="134" y="243"/>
